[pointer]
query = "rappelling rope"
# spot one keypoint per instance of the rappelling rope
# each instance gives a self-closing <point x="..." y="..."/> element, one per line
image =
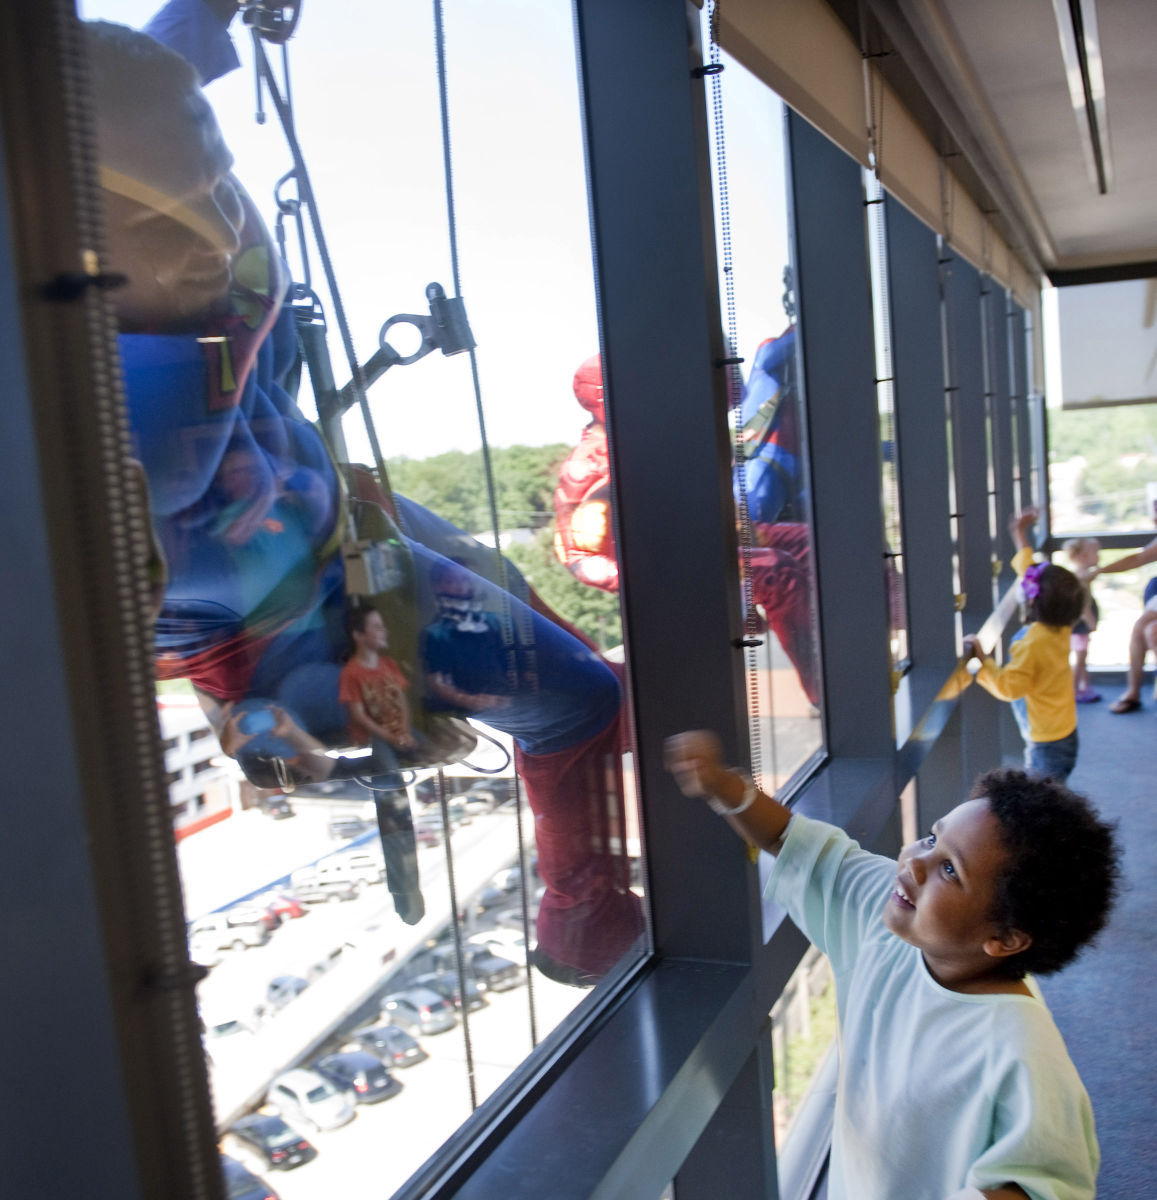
<point x="731" y="361"/>
<point x="526" y="632"/>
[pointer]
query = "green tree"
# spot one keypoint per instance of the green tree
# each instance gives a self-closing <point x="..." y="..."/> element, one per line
<point x="453" y="485"/>
<point x="1118" y="446"/>
<point x="592" y="610"/>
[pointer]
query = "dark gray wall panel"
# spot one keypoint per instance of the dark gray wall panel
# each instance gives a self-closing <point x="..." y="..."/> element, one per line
<point x="843" y="439"/>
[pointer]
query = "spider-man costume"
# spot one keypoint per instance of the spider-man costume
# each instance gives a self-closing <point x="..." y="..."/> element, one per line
<point x="780" y="562"/>
<point x="248" y="507"/>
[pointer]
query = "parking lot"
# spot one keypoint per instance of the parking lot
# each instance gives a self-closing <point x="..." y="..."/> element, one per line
<point x="352" y="953"/>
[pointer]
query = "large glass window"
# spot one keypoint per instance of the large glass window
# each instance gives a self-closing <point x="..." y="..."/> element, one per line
<point x="893" y="550"/>
<point x="412" y="849"/>
<point x="771" y="479"/>
<point x="1102" y="438"/>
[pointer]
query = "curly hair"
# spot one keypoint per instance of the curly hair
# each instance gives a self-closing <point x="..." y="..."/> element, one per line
<point x="1063" y="870"/>
<point x="1061" y="599"/>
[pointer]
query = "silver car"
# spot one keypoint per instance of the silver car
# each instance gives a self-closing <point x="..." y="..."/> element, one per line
<point x="305" y="1098"/>
<point x="419" y="1010"/>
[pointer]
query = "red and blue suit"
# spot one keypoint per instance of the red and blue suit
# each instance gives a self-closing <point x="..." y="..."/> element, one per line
<point x="247" y="505"/>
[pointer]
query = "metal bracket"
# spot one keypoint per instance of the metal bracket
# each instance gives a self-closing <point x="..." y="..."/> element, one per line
<point x="445" y="329"/>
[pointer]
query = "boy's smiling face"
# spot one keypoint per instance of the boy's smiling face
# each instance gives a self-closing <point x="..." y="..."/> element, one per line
<point x="943" y="898"/>
<point x="373" y="635"/>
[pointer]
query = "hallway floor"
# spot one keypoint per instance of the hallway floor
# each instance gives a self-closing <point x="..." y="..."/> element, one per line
<point x="1106" y="1003"/>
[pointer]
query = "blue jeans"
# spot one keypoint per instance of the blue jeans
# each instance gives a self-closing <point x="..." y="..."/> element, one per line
<point x="1054" y="759"/>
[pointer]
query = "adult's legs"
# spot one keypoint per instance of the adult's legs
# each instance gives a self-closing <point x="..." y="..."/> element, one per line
<point x="1141" y="641"/>
<point x="566" y="718"/>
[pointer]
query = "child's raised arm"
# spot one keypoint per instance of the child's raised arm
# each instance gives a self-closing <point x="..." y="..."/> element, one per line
<point x="696" y="761"/>
<point x="1020" y="524"/>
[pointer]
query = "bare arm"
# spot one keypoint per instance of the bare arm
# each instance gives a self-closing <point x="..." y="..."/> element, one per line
<point x="1138" y="558"/>
<point x="1020" y="524"/>
<point x="696" y="761"/>
<point x="445" y="689"/>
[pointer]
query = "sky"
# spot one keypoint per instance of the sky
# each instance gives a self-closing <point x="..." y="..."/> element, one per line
<point x="364" y="88"/>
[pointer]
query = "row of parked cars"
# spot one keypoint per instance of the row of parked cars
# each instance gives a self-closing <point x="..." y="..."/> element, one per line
<point x="322" y="1096"/>
<point x="249" y="923"/>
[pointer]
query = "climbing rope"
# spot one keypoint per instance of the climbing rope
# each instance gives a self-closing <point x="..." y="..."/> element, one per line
<point x="280" y="97"/>
<point x="751" y="641"/>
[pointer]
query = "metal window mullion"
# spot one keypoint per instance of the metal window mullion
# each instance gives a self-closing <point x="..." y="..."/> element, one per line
<point x="843" y="439"/>
<point x="981" y="742"/>
<point x="920" y="417"/>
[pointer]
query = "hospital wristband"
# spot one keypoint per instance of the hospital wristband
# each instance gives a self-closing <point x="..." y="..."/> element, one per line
<point x="750" y="791"/>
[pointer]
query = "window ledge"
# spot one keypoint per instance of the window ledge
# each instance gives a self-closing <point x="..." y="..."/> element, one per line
<point x="618" y="1121"/>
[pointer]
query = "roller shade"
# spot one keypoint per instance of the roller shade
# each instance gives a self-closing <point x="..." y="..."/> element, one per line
<point x="803" y="51"/>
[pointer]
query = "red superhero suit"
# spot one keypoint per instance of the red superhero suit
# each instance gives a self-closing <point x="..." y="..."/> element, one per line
<point x="584" y="538"/>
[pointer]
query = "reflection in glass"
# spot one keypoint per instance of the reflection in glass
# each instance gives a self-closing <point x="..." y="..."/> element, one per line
<point x="893" y="551"/>
<point x="388" y="678"/>
<point x="803" y="1030"/>
<point x="770" y="477"/>
<point x="1103" y="478"/>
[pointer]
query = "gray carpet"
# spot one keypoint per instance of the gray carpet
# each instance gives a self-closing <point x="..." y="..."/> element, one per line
<point x="1106" y="1003"/>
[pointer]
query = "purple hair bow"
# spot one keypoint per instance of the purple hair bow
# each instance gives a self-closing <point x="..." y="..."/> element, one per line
<point x="1030" y="584"/>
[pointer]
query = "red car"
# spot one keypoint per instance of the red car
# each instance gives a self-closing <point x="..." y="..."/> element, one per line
<point x="286" y="906"/>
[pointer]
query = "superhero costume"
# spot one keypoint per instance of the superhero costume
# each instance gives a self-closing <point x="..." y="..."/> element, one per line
<point x="256" y="593"/>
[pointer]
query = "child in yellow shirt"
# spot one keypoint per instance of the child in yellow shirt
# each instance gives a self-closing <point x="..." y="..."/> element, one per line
<point x="1038" y="662"/>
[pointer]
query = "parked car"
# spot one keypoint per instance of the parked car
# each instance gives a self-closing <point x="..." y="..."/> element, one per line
<point x="220" y="1028"/>
<point x="485" y="795"/>
<point x="494" y="898"/>
<point x="264" y="1141"/>
<point x="285" y="904"/>
<point x="493" y="971"/>
<point x="445" y="983"/>
<point x="282" y="989"/>
<point x="233" y="930"/>
<point x="429" y="824"/>
<point x="365" y="865"/>
<point x="276" y="806"/>
<point x="360" y="1073"/>
<point x="507" y="942"/>
<point x="258" y="911"/>
<point x="426" y="790"/>
<point x="427" y="834"/>
<point x="420" y="1011"/>
<point x="338" y="868"/>
<point x="242" y="1184"/>
<point x="306" y="1098"/>
<point x="204" y="951"/>
<point x="345" y="828"/>
<point x="329" y="891"/>
<point x="391" y="1043"/>
<point x="509" y="879"/>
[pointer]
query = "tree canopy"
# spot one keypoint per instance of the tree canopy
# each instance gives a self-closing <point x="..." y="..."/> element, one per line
<point x="1118" y="446"/>
<point x="453" y="485"/>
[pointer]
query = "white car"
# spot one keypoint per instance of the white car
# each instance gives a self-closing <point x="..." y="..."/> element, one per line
<point x="509" y="943"/>
<point x="305" y="1098"/>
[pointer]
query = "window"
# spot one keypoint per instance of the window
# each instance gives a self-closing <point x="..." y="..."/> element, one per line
<point x="893" y="550"/>
<point x="450" y="600"/>
<point x="769" y="424"/>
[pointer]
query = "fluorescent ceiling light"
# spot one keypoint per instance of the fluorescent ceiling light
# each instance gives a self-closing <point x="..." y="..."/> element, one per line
<point x="1084" y="69"/>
